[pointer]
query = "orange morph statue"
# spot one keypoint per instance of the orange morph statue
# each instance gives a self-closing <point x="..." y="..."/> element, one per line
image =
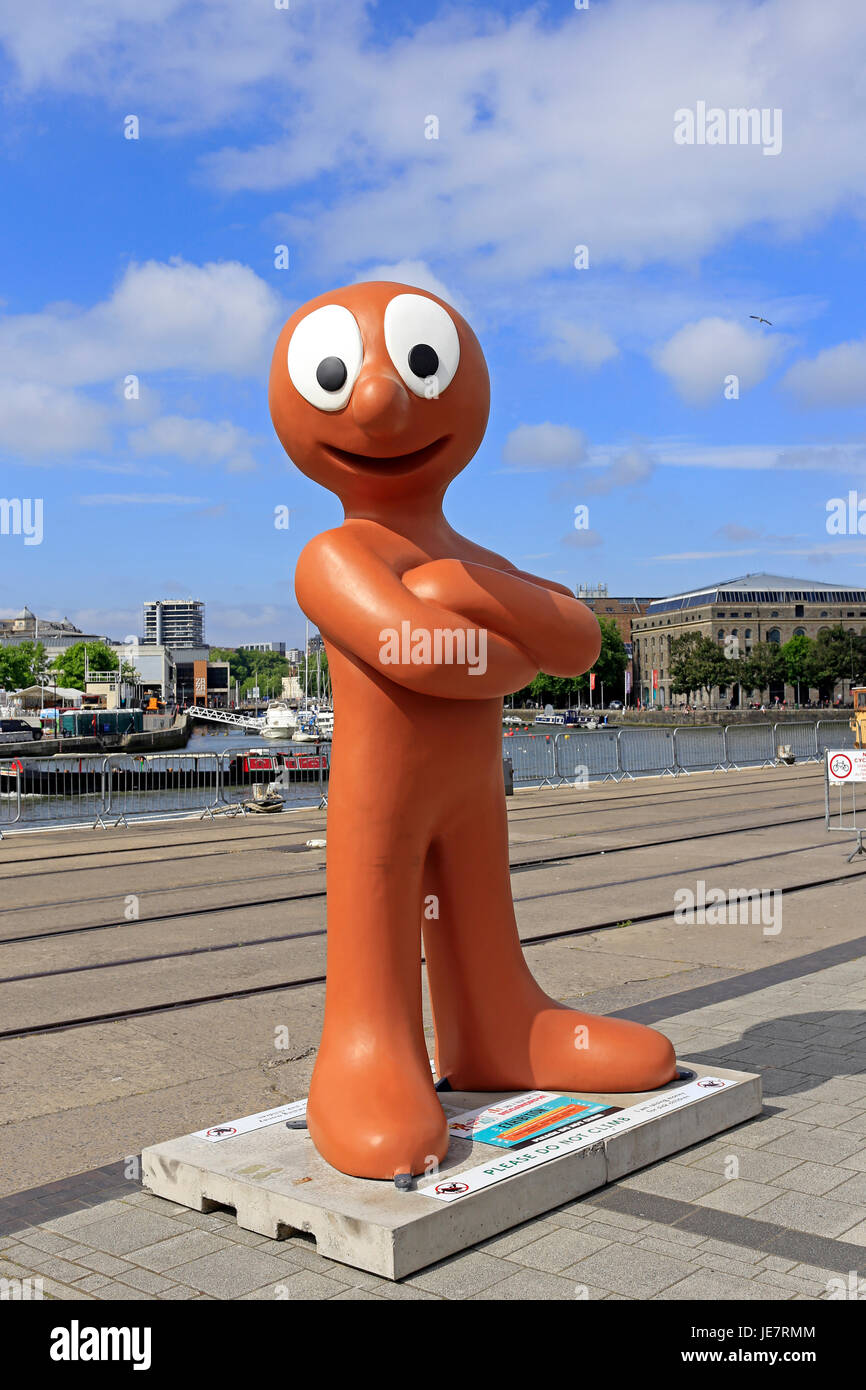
<point x="380" y="393"/>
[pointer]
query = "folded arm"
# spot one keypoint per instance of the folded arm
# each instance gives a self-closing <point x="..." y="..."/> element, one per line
<point x="357" y="601"/>
<point x="559" y="633"/>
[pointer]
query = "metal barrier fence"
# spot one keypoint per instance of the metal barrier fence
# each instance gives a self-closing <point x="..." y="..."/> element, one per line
<point x="102" y="789"/>
<point x="533" y="757"/>
<point x="647" y="750"/>
<point x="240" y="774"/>
<point x="31" y="789"/>
<point x="613" y="754"/>
<point x="151" y="784"/>
<point x="110" y="790"/>
<point x="802" y="739"/>
<point x="584" y="756"/>
<point x="841" y="799"/>
<point x="832" y="733"/>
<point x="700" y="750"/>
<point x="750" y="745"/>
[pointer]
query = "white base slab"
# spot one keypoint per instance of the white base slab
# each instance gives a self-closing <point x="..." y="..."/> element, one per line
<point x="277" y="1184"/>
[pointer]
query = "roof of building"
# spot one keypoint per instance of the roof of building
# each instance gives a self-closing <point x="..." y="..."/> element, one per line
<point x="760" y="588"/>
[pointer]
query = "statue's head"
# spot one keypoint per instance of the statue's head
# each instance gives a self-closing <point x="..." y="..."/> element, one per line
<point x="379" y="392"/>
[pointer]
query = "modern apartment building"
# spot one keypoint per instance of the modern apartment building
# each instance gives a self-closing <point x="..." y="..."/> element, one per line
<point x="173" y="622"/>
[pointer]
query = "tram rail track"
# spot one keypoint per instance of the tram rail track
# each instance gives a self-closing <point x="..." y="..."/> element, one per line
<point x="516" y="866"/>
<point x="143" y="1010"/>
<point x="216" y="908"/>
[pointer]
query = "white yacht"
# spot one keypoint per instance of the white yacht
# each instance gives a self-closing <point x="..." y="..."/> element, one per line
<point x="280" y="721"/>
<point x="314" y="725"/>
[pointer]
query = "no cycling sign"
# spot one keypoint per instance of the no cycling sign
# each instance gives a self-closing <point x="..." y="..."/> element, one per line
<point x="847" y="767"/>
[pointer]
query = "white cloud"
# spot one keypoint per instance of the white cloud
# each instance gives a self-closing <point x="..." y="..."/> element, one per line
<point x="585" y="344"/>
<point x="38" y="420"/>
<point x="228" y="624"/>
<point x="532" y="448"/>
<point x="583" y="540"/>
<point x="699" y="357"/>
<point x="162" y="60"/>
<point x="631" y="467"/>
<point x="408" y="272"/>
<point x="203" y="442"/>
<point x="733" y="531"/>
<point x="811" y="553"/>
<point x="609" y="174"/>
<point x="219" y="317"/>
<point x="525" y="166"/>
<point x="701" y="555"/>
<point x="801" y="458"/>
<point x="836" y="377"/>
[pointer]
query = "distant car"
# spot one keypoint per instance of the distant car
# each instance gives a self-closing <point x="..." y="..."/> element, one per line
<point x="615" y="704"/>
<point x="511" y="719"/>
<point x="17" y="731"/>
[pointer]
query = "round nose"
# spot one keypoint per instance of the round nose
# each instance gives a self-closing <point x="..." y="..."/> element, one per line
<point x="380" y="405"/>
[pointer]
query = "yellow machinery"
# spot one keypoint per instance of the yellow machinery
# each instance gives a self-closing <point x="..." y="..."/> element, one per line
<point x="858" y="723"/>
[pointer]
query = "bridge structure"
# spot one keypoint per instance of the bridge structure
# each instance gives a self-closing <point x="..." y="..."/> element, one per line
<point x="224" y="716"/>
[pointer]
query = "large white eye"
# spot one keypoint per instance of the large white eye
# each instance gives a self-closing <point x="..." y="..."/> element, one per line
<point x="422" y="342"/>
<point x="325" y="356"/>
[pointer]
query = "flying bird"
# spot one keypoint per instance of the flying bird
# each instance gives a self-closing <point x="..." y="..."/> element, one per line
<point x="760" y="320"/>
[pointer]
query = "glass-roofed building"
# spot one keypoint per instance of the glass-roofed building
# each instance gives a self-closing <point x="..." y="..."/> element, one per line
<point x="753" y="608"/>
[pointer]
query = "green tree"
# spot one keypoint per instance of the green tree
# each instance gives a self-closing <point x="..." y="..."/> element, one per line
<point x="558" y="691"/>
<point x="798" y="657"/>
<point x="264" y="670"/>
<point x="612" y="659"/>
<point x="763" y="667"/>
<point x="563" y="691"/>
<point x="840" y="655"/>
<point x="68" y="668"/>
<point x="698" y="663"/>
<point x="21" y="665"/>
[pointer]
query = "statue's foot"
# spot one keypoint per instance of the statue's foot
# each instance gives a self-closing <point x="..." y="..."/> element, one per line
<point x="559" y="1049"/>
<point x="376" y="1116"/>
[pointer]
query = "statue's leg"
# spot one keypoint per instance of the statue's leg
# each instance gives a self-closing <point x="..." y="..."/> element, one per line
<point x="496" y="1029"/>
<point x="373" y="1111"/>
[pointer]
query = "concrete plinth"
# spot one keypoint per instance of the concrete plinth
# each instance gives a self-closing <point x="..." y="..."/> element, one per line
<point x="277" y="1184"/>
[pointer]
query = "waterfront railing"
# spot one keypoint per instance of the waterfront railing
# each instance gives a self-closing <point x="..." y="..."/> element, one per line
<point x="108" y="790"/>
<point x="589" y="755"/>
<point x="119" y="788"/>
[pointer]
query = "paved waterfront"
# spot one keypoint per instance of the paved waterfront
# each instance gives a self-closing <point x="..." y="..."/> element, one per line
<point x="229" y="927"/>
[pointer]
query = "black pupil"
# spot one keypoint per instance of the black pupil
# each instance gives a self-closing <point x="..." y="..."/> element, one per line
<point x="423" y="360"/>
<point x="331" y="373"/>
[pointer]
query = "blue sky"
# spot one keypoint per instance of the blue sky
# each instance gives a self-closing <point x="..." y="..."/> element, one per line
<point x="258" y="127"/>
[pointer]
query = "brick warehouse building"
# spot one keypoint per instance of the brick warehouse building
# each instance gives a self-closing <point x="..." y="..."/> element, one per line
<point x="753" y="608"/>
<point x="623" y="610"/>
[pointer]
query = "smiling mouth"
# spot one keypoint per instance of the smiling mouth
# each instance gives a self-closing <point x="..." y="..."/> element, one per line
<point x="396" y="463"/>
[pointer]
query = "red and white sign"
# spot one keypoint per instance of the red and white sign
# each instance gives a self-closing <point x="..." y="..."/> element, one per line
<point x="217" y="1133"/>
<point x="307" y="762"/>
<point x="592" y="680"/>
<point x="849" y="766"/>
<point x="655" y="680"/>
